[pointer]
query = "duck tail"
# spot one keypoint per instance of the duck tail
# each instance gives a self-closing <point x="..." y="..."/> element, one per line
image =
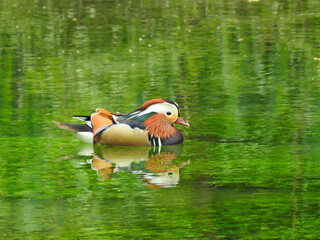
<point x="82" y="131"/>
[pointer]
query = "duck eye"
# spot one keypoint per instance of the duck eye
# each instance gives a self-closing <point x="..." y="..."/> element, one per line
<point x="168" y="113"/>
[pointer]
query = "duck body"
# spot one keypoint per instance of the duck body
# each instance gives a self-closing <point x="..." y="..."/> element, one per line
<point x="149" y="125"/>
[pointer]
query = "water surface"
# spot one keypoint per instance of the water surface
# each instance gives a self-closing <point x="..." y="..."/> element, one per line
<point x="246" y="77"/>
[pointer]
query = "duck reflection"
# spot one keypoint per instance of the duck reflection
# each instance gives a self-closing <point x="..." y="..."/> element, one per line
<point x="155" y="168"/>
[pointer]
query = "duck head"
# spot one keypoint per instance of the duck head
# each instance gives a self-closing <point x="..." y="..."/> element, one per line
<point x="158" y="116"/>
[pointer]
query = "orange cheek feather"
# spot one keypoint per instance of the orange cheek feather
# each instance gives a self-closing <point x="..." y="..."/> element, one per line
<point x="159" y="126"/>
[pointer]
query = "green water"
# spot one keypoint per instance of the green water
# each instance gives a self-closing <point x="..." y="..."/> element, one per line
<point x="246" y="75"/>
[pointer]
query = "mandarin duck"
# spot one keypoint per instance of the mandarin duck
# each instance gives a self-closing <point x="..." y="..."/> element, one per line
<point x="149" y="125"/>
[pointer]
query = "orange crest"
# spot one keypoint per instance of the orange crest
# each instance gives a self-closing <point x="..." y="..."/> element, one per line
<point x="150" y="102"/>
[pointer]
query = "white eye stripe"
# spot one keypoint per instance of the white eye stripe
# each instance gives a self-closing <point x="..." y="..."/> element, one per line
<point x="159" y="108"/>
